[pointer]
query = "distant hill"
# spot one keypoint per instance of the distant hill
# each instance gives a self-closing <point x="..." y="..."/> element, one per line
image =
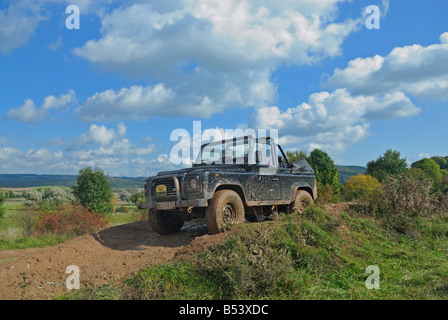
<point x="345" y="172"/>
<point x="42" y="180"/>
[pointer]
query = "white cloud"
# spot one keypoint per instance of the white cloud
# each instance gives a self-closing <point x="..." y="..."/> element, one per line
<point x="41" y="160"/>
<point x="55" y="46"/>
<point x="107" y="148"/>
<point x="368" y="89"/>
<point x="144" y="168"/>
<point x="123" y="147"/>
<point x="332" y="121"/>
<point x="206" y="56"/>
<point x="134" y="102"/>
<point x="100" y="146"/>
<point x="215" y="35"/>
<point x="20" y="20"/>
<point x="415" y="70"/>
<point x="28" y="112"/>
<point x="18" y="23"/>
<point x="101" y="135"/>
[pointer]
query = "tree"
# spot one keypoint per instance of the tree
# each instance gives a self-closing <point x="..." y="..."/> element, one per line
<point x="388" y="164"/>
<point x="137" y="198"/>
<point x="93" y="190"/>
<point x="125" y="195"/>
<point x="294" y="156"/>
<point x="114" y="203"/>
<point x="441" y="161"/>
<point x="430" y="169"/>
<point x="324" y="169"/>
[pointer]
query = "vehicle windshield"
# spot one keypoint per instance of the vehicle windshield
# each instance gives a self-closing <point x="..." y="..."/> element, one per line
<point x="225" y="152"/>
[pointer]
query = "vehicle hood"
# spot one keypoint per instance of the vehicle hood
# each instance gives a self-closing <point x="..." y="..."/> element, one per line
<point x="204" y="168"/>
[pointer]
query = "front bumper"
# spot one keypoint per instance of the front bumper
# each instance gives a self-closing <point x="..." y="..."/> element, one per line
<point x="170" y="205"/>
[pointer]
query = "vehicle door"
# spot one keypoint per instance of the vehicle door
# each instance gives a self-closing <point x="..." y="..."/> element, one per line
<point x="264" y="183"/>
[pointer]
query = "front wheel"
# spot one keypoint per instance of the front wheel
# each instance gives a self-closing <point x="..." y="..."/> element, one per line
<point x="225" y="208"/>
<point x="164" y="222"/>
<point x="303" y="200"/>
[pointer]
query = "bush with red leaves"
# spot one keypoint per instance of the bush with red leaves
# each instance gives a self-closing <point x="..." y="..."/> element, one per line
<point x="72" y="220"/>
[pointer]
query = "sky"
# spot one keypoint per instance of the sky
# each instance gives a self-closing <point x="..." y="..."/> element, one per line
<point x="110" y="92"/>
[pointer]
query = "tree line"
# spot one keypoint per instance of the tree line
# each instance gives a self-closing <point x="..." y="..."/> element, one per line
<point x="390" y="164"/>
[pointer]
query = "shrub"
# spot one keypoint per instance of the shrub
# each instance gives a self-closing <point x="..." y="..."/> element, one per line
<point x="407" y="193"/>
<point x="361" y="187"/>
<point x="248" y="264"/>
<point x="402" y="196"/>
<point x="2" y="200"/>
<point x="69" y="219"/>
<point x="26" y="220"/>
<point x="441" y="202"/>
<point x="121" y="210"/>
<point x="47" y="199"/>
<point x="325" y="194"/>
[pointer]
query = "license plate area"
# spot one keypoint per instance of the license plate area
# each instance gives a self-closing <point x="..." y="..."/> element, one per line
<point x="166" y="205"/>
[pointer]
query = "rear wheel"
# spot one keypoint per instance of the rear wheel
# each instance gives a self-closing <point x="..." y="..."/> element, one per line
<point x="225" y="208"/>
<point x="164" y="222"/>
<point x="303" y="200"/>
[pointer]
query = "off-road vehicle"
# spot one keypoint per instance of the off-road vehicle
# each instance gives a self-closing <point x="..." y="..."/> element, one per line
<point x="232" y="181"/>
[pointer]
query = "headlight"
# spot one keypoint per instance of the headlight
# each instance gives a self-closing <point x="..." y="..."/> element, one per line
<point x="193" y="184"/>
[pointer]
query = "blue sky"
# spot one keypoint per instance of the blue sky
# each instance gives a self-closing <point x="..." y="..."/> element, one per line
<point x="110" y="93"/>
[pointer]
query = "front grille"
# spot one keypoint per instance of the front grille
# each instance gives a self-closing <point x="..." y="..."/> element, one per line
<point x="181" y="186"/>
<point x="170" y="185"/>
<point x="159" y="191"/>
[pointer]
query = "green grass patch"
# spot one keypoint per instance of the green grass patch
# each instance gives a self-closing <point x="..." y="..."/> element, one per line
<point x="32" y="242"/>
<point x="123" y="218"/>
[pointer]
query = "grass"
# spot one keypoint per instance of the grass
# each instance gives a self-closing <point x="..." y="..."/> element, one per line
<point x="315" y="255"/>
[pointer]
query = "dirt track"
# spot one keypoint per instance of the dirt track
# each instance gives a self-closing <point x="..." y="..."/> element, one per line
<point x="112" y="255"/>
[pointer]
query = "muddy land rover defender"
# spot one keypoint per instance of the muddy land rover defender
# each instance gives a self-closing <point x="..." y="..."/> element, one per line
<point x="232" y="181"/>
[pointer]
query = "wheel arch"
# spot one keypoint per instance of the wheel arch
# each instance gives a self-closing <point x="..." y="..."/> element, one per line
<point x="227" y="184"/>
<point x="234" y="187"/>
<point x="302" y="186"/>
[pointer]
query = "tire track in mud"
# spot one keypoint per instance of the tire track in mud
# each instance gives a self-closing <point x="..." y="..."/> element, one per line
<point x="108" y="256"/>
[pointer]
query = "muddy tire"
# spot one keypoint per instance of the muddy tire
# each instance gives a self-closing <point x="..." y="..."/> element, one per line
<point x="225" y="208"/>
<point x="163" y="222"/>
<point x="303" y="200"/>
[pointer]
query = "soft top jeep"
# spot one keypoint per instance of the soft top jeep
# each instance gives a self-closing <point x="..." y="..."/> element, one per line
<point x="232" y="181"/>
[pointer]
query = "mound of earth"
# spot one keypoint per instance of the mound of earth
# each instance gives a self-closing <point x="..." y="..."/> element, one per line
<point x="108" y="256"/>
